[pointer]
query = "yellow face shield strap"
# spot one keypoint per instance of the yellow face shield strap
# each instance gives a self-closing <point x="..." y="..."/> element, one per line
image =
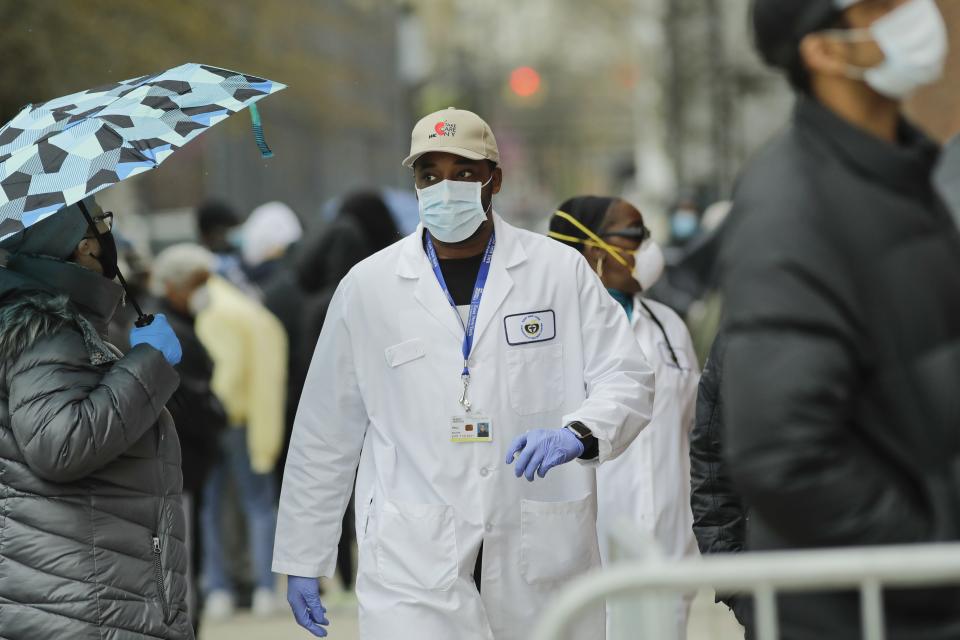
<point x="592" y="239"/>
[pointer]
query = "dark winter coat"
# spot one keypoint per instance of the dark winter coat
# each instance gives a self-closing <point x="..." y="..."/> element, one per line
<point x="719" y="515"/>
<point x="196" y="410"/>
<point x="91" y="533"/>
<point x="842" y="368"/>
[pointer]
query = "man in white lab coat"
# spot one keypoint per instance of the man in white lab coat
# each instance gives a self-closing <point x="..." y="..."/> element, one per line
<point x="465" y="348"/>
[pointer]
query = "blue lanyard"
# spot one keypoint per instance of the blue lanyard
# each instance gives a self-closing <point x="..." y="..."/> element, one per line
<point x="468" y="331"/>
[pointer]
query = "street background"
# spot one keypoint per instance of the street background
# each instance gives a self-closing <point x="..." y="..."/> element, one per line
<point x="651" y="99"/>
<point x="658" y="101"/>
<point x="708" y="621"/>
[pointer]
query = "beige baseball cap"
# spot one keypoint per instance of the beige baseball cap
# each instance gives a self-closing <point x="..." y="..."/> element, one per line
<point x="455" y="131"/>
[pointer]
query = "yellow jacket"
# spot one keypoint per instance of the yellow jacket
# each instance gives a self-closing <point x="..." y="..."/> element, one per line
<point x="248" y="346"/>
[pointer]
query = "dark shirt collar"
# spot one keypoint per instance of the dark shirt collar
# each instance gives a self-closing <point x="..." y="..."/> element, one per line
<point x="904" y="166"/>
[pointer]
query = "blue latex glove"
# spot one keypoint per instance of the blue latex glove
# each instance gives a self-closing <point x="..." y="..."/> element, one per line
<point x="542" y="450"/>
<point x="303" y="594"/>
<point x="160" y="336"/>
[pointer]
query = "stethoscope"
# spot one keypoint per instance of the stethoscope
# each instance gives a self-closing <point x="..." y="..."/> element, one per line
<point x="666" y="338"/>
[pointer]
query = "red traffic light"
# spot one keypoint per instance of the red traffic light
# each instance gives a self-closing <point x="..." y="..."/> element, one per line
<point x="524" y="81"/>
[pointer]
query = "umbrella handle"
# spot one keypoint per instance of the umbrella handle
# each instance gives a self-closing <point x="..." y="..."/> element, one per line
<point x="144" y="320"/>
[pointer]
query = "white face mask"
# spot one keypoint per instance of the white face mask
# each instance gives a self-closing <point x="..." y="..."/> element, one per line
<point x="452" y="210"/>
<point x="913" y="38"/>
<point x="649" y="264"/>
<point x="199" y="300"/>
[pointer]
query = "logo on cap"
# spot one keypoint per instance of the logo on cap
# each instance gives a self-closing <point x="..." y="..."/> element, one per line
<point x="444" y="128"/>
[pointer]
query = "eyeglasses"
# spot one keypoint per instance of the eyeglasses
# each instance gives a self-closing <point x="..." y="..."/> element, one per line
<point x="640" y="234"/>
<point x="103" y="223"/>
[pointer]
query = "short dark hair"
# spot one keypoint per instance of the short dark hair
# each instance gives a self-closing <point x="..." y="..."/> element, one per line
<point x="216" y="214"/>
<point x="373" y="216"/>
<point x="780" y="25"/>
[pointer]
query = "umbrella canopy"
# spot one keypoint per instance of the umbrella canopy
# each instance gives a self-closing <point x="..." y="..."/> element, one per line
<point x="57" y="153"/>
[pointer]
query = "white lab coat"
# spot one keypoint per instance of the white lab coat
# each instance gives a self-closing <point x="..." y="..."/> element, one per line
<point x="650" y="483"/>
<point x="382" y="387"/>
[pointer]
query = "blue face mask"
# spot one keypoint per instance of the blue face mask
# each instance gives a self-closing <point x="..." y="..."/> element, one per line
<point x="684" y="224"/>
<point x="452" y="210"/>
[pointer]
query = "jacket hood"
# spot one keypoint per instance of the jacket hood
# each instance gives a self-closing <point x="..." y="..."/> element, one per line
<point x="94" y="296"/>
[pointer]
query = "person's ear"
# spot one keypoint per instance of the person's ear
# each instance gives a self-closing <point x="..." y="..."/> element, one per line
<point x="593" y="254"/>
<point x="88" y="247"/>
<point x="497" y="180"/>
<point x="824" y="55"/>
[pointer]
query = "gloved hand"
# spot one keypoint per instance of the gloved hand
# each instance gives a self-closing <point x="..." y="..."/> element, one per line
<point x="160" y="336"/>
<point x="303" y="594"/>
<point x="542" y="450"/>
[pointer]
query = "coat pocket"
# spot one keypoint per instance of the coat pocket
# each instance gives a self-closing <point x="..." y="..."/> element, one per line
<point x="558" y="540"/>
<point x="404" y="352"/>
<point x="417" y="546"/>
<point x="535" y="377"/>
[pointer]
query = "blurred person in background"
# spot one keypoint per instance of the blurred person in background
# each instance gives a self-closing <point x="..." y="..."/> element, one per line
<point x="178" y="283"/>
<point x="684" y="221"/>
<point x="705" y="312"/>
<point x="650" y="483"/>
<point x="218" y="226"/>
<point x="269" y="236"/>
<point x="362" y="227"/>
<point x="681" y="285"/>
<point x="248" y="346"/>
<point x="842" y="302"/>
<point x="92" y="523"/>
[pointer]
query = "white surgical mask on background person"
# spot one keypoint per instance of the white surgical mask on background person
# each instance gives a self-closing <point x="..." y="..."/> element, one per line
<point x="199" y="300"/>
<point x="452" y="210"/>
<point x="913" y="38"/>
<point x="648" y="264"/>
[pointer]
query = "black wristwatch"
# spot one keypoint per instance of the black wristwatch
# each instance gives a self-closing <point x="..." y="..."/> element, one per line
<point x="591" y="448"/>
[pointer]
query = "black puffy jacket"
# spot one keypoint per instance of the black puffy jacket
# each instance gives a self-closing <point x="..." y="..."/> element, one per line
<point x="91" y="525"/>
<point x="842" y="366"/>
<point x="719" y="515"/>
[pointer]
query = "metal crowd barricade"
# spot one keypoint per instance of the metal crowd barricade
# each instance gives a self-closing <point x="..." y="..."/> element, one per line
<point x="633" y="586"/>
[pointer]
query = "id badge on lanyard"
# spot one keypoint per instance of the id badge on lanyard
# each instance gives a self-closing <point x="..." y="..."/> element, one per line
<point x="472" y="425"/>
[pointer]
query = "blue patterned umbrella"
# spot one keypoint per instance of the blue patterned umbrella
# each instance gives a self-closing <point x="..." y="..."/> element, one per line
<point x="57" y="153"/>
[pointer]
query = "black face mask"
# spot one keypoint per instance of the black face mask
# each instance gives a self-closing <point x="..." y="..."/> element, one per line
<point x="108" y="255"/>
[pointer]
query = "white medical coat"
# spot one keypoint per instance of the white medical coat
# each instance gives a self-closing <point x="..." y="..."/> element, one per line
<point x="382" y="387"/>
<point x="650" y="483"/>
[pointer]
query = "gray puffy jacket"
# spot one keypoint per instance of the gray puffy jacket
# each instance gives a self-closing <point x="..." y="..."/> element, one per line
<point x="91" y="526"/>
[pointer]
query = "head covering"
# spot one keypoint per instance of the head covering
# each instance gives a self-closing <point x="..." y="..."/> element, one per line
<point x="370" y="212"/>
<point x="270" y="229"/>
<point x="176" y="265"/>
<point x="590" y="211"/>
<point x="214" y="214"/>
<point x="780" y="25"/>
<point x="455" y="131"/>
<point x="56" y="235"/>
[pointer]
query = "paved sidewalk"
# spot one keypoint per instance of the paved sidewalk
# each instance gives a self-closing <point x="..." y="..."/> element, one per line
<point x="708" y="622"/>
